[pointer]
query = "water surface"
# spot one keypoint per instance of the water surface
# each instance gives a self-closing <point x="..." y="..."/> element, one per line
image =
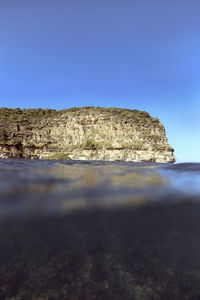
<point x="98" y="230"/>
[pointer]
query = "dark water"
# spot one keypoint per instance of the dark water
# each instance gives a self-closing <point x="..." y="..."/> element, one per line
<point x="95" y="230"/>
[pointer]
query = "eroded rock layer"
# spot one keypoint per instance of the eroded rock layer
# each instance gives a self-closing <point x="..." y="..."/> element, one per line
<point x="88" y="133"/>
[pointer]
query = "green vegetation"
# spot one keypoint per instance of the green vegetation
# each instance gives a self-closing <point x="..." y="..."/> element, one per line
<point x="17" y="114"/>
<point x="21" y="115"/>
<point x="3" y="135"/>
<point x="93" y="145"/>
<point x="134" y="145"/>
<point x="63" y="156"/>
<point x="153" y="137"/>
<point x="34" y="145"/>
<point x="13" y="142"/>
<point x="163" y="147"/>
<point x="90" y="145"/>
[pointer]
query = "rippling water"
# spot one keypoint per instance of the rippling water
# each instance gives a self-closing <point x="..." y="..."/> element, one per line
<point x="99" y="230"/>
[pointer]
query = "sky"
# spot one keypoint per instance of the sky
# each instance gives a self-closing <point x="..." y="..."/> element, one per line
<point x="138" y="54"/>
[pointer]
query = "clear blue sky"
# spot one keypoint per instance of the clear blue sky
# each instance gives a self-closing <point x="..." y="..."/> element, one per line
<point x="142" y="54"/>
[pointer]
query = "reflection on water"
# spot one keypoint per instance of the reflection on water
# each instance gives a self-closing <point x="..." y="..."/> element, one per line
<point x="96" y="230"/>
<point x="45" y="187"/>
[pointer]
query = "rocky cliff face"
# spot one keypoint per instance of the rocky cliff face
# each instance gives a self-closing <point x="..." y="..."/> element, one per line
<point x="84" y="134"/>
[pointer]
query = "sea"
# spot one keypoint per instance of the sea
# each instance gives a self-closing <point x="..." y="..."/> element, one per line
<point x="87" y="230"/>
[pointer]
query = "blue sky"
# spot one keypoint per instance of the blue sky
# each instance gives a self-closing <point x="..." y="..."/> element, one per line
<point x="142" y="54"/>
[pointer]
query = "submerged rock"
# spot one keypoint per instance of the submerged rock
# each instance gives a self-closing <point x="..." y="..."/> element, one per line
<point x="87" y="133"/>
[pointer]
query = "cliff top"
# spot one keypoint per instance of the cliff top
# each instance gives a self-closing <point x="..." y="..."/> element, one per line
<point x="12" y="115"/>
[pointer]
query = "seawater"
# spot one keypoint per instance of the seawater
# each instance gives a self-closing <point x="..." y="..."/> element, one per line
<point x="99" y="230"/>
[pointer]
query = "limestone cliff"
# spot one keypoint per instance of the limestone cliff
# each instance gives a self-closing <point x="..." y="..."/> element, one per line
<point x="89" y="133"/>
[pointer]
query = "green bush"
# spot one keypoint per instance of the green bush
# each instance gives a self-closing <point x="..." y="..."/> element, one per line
<point x="90" y="145"/>
<point x="3" y="135"/>
<point x="18" y="115"/>
<point x="13" y="142"/>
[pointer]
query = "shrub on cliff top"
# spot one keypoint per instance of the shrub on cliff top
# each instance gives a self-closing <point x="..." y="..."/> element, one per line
<point x="18" y="115"/>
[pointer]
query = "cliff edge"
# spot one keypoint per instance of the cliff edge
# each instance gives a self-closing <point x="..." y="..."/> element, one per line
<point x="87" y="133"/>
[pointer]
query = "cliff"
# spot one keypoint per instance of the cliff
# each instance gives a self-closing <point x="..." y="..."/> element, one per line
<point x="88" y="133"/>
